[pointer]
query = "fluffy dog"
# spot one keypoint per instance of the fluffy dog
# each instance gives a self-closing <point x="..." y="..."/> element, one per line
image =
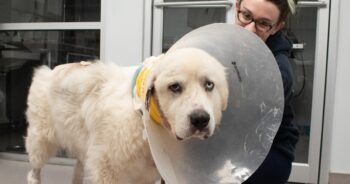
<point x="94" y="112"/>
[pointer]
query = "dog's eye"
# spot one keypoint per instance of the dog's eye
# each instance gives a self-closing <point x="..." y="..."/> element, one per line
<point x="175" y="88"/>
<point x="209" y="85"/>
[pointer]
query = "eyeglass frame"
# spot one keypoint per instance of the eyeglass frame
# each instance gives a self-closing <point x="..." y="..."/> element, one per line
<point x="255" y="21"/>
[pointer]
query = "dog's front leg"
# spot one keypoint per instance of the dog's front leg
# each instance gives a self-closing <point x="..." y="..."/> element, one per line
<point x="101" y="170"/>
<point x="78" y="173"/>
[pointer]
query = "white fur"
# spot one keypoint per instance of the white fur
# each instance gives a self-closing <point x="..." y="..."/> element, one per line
<point x="88" y="110"/>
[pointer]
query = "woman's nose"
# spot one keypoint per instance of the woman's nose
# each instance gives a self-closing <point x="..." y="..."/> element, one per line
<point x="250" y="27"/>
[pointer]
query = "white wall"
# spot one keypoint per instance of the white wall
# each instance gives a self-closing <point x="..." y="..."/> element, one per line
<point x="340" y="141"/>
<point x="123" y="27"/>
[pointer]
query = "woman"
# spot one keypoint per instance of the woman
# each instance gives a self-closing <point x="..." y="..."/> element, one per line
<point x="266" y="18"/>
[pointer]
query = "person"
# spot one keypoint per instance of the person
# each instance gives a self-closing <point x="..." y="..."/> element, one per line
<point x="266" y="18"/>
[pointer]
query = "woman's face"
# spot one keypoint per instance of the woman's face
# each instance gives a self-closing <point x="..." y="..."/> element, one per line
<point x="259" y="16"/>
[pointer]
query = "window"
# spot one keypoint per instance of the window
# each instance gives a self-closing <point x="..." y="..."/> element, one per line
<point x="34" y="33"/>
<point x="20" y="11"/>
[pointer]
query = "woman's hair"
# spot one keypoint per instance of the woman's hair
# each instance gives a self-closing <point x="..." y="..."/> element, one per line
<point x="286" y="7"/>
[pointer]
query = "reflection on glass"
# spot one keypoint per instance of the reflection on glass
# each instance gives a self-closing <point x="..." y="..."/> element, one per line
<point x="20" y="52"/>
<point x="16" y="11"/>
<point x="303" y="34"/>
<point x="179" y="21"/>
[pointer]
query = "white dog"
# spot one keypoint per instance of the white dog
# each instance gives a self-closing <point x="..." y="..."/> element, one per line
<point x="94" y="112"/>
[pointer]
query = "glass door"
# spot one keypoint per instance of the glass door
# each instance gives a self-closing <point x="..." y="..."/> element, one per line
<point x="172" y="19"/>
<point x="308" y="30"/>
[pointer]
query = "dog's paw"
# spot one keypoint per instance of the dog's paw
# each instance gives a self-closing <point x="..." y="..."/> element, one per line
<point x="231" y="174"/>
<point x="32" y="181"/>
<point x="32" y="178"/>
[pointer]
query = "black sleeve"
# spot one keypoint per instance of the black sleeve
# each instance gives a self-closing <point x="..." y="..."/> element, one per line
<point x="287" y="135"/>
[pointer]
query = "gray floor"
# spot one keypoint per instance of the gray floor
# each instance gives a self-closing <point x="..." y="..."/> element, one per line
<point x="14" y="172"/>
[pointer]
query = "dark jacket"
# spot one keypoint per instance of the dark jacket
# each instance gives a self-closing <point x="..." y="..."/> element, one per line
<point x="287" y="135"/>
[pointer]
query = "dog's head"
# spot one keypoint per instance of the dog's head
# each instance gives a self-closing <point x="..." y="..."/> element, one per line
<point x="191" y="91"/>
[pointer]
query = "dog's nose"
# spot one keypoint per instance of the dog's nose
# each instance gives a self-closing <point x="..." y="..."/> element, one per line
<point x="199" y="119"/>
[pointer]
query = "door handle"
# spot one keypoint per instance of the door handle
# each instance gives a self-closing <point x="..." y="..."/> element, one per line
<point x="194" y="4"/>
<point x="311" y="4"/>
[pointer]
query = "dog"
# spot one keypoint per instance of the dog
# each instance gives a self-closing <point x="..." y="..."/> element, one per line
<point x="95" y="111"/>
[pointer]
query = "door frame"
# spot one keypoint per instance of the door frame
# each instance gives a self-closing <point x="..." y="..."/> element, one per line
<point x="311" y="171"/>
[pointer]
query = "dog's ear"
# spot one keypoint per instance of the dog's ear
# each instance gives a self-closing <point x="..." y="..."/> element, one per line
<point x="141" y="104"/>
<point x="149" y="85"/>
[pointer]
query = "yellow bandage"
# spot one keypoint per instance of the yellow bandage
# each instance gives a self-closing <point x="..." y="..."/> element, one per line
<point x="141" y="92"/>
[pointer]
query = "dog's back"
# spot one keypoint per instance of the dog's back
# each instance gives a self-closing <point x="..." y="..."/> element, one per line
<point x="55" y="106"/>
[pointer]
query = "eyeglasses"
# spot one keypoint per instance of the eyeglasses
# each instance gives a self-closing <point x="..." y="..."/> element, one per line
<point x="246" y="18"/>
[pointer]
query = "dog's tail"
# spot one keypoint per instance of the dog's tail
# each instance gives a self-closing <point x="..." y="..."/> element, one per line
<point x="38" y="93"/>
